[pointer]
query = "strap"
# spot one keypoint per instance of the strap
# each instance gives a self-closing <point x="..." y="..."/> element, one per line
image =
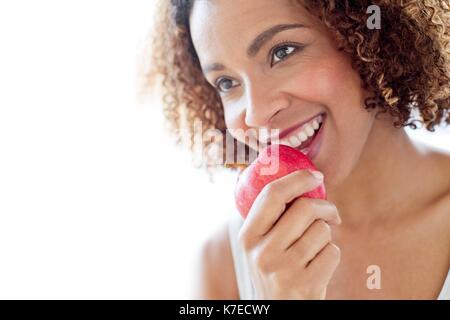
<point x="244" y="283"/>
<point x="445" y="292"/>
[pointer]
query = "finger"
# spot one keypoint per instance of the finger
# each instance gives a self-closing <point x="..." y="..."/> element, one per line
<point x="271" y="202"/>
<point x="299" y="217"/>
<point x="316" y="237"/>
<point x="322" y="267"/>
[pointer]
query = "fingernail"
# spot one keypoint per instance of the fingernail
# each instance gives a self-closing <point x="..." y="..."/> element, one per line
<point x="317" y="174"/>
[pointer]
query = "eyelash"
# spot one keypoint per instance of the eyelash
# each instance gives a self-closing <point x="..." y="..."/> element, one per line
<point x="281" y="45"/>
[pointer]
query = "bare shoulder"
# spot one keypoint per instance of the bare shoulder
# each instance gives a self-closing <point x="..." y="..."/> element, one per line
<point x="443" y="200"/>
<point x="214" y="275"/>
<point x="441" y="178"/>
<point x="432" y="171"/>
<point x="443" y="167"/>
<point x="434" y="164"/>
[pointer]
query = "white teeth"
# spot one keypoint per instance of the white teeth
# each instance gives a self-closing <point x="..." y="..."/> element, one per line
<point x="294" y="141"/>
<point x="315" y="124"/>
<point x="309" y="130"/>
<point x="302" y="136"/>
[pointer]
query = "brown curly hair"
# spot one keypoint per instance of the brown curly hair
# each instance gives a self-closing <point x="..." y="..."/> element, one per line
<point x="405" y="64"/>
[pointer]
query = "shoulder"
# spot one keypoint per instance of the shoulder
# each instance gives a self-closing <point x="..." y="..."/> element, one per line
<point x="432" y="171"/>
<point x="215" y="275"/>
<point x="436" y="165"/>
<point x="443" y="170"/>
<point x="439" y="170"/>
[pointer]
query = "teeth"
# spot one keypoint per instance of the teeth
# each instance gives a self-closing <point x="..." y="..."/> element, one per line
<point x="302" y="136"/>
<point x="297" y="138"/>
<point x="294" y="141"/>
<point x="315" y="124"/>
<point x="309" y="130"/>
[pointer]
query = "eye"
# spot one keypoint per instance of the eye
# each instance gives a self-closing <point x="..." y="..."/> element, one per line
<point x="281" y="52"/>
<point x="224" y="84"/>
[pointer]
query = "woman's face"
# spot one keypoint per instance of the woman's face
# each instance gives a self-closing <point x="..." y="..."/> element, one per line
<point x="284" y="78"/>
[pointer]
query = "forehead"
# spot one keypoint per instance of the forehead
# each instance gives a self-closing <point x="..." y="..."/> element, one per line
<point x="220" y="26"/>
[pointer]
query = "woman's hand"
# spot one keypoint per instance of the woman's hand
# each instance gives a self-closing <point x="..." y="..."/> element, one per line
<point x="289" y="251"/>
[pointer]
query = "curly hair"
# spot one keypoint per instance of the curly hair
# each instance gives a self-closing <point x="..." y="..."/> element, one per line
<point x="405" y="64"/>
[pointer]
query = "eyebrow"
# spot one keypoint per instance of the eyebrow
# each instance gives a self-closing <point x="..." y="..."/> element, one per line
<point x="257" y="43"/>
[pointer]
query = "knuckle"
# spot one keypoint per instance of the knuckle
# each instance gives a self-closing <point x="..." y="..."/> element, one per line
<point x="333" y="209"/>
<point x="319" y="209"/>
<point x="244" y="240"/>
<point x="311" y="291"/>
<point x="324" y="227"/>
<point x="262" y="256"/>
<point x="334" y="251"/>
<point x="272" y="189"/>
<point x="303" y="205"/>
<point x="280" y="279"/>
<point x="306" y="174"/>
<point x="321" y="230"/>
<point x="330" y="206"/>
<point x="319" y="206"/>
<point x="313" y="206"/>
<point x="262" y="263"/>
<point x="302" y="247"/>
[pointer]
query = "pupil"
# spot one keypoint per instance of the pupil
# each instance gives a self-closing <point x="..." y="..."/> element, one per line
<point x="283" y="53"/>
<point x="226" y="84"/>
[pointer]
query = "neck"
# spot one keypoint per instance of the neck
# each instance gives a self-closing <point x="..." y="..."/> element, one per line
<point x="375" y="190"/>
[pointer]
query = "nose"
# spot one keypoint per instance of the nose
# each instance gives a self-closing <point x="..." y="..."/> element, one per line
<point x="263" y="104"/>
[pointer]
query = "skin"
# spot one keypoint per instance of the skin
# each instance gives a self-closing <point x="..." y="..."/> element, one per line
<point x="392" y="194"/>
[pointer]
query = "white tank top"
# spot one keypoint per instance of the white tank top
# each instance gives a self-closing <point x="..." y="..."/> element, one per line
<point x="245" y="286"/>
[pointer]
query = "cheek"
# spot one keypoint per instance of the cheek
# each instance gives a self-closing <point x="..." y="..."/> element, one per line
<point x="337" y="87"/>
<point x="332" y="81"/>
<point x="334" y="84"/>
<point x="341" y="86"/>
<point x="233" y="120"/>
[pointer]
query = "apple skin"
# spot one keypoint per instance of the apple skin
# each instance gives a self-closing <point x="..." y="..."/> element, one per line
<point x="250" y="181"/>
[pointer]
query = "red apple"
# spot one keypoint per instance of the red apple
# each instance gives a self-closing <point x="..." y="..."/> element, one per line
<point x="264" y="170"/>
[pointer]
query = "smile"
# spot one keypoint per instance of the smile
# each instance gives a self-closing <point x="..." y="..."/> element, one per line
<point x="307" y="138"/>
<point x="302" y="137"/>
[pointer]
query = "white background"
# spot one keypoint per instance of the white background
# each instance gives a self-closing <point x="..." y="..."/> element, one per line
<point x="95" y="201"/>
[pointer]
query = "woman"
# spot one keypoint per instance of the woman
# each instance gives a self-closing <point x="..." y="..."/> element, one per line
<point x="383" y="232"/>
